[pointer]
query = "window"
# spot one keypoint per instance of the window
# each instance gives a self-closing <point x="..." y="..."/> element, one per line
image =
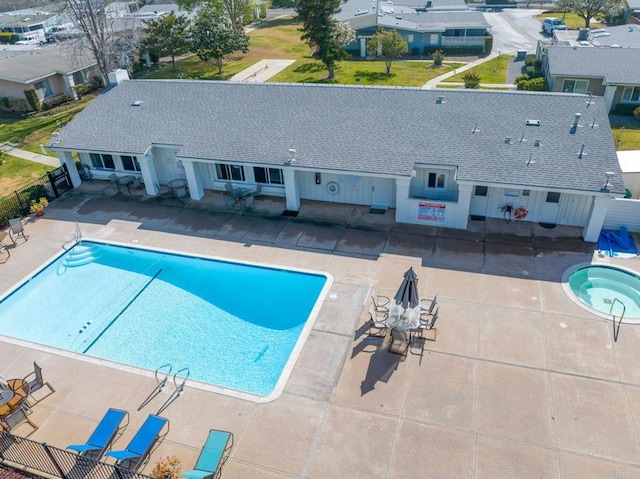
<point x="230" y="172"/>
<point x="99" y="160"/>
<point x="575" y="86"/>
<point x="511" y="192"/>
<point x="481" y="191"/>
<point x="78" y="78"/>
<point x="410" y="38"/>
<point x="130" y="163"/>
<point x="631" y="94"/>
<point x="436" y="180"/>
<point x="43" y="88"/>
<point x="553" y="197"/>
<point x="271" y="176"/>
<point x="433" y="39"/>
<point x="526" y="192"/>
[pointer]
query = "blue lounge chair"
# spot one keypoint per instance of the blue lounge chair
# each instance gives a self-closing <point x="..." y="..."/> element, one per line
<point x="141" y="444"/>
<point x="212" y="457"/>
<point x="103" y="434"/>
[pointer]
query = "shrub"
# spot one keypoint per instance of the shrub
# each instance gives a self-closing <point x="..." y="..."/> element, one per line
<point x="54" y="101"/>
<point x="535" y="84"/>
<point x="636" y="113"/>
<point x="167" y="468"/>
<point x="85" y="88"/>
<point x="521" y="78"/>
<point x="530" y="59"/>
<point x="438" y="58"/>
<point x="471" y="80"/>
<point x="488" y="43"/>
<point x="32" y="98"/>
<point x="415" y="51"/>
<point x="8" y="37"/>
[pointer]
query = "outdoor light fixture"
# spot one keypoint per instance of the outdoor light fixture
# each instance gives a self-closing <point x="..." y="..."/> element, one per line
<point x="292" y="155"/>
<point x="607" y="182"/>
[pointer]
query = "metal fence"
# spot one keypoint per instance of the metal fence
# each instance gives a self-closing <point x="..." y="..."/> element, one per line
<point x="37" y="456"/>
<point x="49" y="186"/>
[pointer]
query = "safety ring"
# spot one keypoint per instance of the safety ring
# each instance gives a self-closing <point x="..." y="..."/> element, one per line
<point x="520" y="213"/>
<point x="333" y="187"/>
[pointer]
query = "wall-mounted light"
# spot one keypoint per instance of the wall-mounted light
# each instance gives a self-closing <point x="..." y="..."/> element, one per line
<point x="292" y="155"/>
<point x="607" y="180"/>
<point x="318" y="179"/>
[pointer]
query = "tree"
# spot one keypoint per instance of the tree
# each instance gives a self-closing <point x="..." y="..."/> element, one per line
<point x="319" y="31"/>
<point x="239" y="12"/>
<point x="105" y="32"/>
<point x="389" y="44"/>
<point x="587" y="9"/>
<point x="438" y="58"/>
<point x="283" y="3"/>
<point x="213" y="38"/>
<point x="168" y="35"/>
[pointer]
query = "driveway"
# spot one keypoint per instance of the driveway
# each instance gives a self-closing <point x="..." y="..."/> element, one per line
<point x="515" y="29"/>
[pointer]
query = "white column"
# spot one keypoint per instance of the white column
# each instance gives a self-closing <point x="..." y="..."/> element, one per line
<point x="461" y="220"/>
<point x="66" y="158"/>
<point x="363" y="47"/>
<point x="194" y="180"/>
<point x="402" y="199"/>
<point x="291" y="189"/>
<point x="149" y="173"/>
<point x="609" y="94"/>
<point x="69" y="84"/>
<point x="597" y="215"/>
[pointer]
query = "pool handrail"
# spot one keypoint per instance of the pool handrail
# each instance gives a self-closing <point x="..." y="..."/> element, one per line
<point x="160" y="384"/>
<point x="616" y="326"/>
<point x="179" y="388"/>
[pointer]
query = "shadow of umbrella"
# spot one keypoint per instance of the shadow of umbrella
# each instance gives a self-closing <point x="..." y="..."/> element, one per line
<point x="381" y="366"/>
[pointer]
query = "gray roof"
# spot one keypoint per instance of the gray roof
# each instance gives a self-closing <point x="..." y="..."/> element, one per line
<point x="27" y="66"/>
<point x="385" y="131"/>
<point x="617" y="66"/>
<point x="9" y="19"/>
<point x="435" y="21"/>
<point x="626" y="36"/>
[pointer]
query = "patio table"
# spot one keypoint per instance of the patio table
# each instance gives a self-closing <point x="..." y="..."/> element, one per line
<point x="403" y="319"/>
<point x="125" y="180"/>
<point x="178" y="187"/>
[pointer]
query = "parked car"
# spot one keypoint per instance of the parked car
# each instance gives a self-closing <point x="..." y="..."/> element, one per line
<point x="550" y="24"/>
<point x="28" y="41"/>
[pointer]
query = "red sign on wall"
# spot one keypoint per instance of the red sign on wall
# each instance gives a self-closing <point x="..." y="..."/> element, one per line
<point x="432" y="211"/>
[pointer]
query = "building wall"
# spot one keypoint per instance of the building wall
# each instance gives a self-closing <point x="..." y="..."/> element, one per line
<point x="595" y="85"/>
<point x="12" y="90"/>
<point x="623" y="212"/>
<point x="352" y="189"/>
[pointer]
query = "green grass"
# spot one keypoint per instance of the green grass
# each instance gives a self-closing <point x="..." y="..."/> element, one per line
<point x="16" y="172"/>
<point x="493" y="71"/>
<point x="573" y="21"/>
<point x="364" y="72"/>
<point x="626" y="137"/>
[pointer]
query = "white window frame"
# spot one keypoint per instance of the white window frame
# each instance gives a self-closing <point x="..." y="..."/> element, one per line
<point x="628" y="94"/>
<point x="440" y="180"/>
<point x="577" y="85"/>
<point x="226" y="172"/>
<point x="134" y="162"/>
<point x="274" y="176"/>
<point x="43" y="87"/>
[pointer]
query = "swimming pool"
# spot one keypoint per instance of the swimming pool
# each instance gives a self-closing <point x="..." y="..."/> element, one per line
<point x="233" y="325"/>
<point x="603" y="290"/>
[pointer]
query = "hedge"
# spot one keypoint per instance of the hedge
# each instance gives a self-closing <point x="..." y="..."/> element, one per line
<point x="624" y="109"/>
<point x="8" y="37"/>
<point x="455" y="50"/>
<point x="54" y="101"/>
<point x="32" y="98"/>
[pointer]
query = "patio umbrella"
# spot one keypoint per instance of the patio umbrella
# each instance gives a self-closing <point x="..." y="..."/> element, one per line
<point x="407" y="294"/>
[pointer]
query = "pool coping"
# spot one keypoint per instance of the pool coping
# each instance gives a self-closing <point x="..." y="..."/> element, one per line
<point x="226" y="391"/>
<point x="564" y="281"/>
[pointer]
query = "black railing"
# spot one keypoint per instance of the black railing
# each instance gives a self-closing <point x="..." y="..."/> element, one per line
<point x="49" y="186"/>
<point x="37" y="456"/>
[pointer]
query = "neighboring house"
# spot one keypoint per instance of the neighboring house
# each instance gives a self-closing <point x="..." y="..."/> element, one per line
<point x="613" y="73"/>
<point x="28" y="24"/>
<point x="625" y="36"/>
<point x="49" y="70"/>
<point x="436" y="156"/>
<point x="424" y="29"/>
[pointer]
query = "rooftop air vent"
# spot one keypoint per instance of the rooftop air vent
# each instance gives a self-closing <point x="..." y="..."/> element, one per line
<point x="537" y="142"/>
<point x="440" y="100"/>
<point x="533" y="122"/>
<point x="136" y="103"/>
<point x="507" y="140"/>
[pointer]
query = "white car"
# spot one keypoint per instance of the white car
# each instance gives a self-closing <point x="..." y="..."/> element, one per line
<point x="550" y="24"/>
<point x="30" y="41"/>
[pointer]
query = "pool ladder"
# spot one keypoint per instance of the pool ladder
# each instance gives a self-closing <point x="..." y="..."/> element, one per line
<point x="162" y="375"/>
<point x="616" y="324"/>
<point x="75" y="240"/>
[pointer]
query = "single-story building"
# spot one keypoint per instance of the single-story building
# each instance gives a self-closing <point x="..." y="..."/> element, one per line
<point x="613" y="73"/>
<point x="424" y="29"/>
<point x="621" y="36"/>
<point x="49" y="70"/>
<point x="437" y="157"/>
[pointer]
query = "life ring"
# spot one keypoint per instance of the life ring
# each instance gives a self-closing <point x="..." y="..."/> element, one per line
<point x="520" y="213"/>
<point x="333" y="187"/>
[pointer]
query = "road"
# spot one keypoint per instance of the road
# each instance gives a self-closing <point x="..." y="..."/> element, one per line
<point x="515" y="29"/>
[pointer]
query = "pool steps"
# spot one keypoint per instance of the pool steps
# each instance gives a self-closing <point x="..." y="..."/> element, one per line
<point x="80" y="256"/>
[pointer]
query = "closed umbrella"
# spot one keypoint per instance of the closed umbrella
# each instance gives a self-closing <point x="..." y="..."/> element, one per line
<point x="407" y="294"/>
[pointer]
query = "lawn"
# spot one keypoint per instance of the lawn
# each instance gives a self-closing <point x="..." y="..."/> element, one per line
<point x="573" y="21"/>
<point x="364" y="72"/>
<point x="493" y="71"/>
<point x="278" y="39"/>
<point x="626" y="137"/>
<point x="16" y="172"/>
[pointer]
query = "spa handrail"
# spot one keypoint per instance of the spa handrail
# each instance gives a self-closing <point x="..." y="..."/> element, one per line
<point x="616" y="326"/>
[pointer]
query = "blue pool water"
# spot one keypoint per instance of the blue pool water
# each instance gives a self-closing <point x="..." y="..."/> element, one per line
<point x="603" y="288"/>
<point x="233" y="325"/>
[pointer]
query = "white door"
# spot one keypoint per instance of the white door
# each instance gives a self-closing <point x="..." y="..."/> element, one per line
<point x="479" y="201"/>
<point x="381" y="192"/>
<point x="550" y="208"/>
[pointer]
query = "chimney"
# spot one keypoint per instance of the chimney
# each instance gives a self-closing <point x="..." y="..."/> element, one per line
<point x="583" y="34"/>
<point x="117" y="76"/>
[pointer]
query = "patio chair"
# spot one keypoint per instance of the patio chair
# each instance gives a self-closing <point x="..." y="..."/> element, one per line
<point x="135" y="184"/>
<point x="380" y="303"/>
<point x="257" y="191"/>
<point x="429" y="325"/>
<point x="212" y="457"/>
<point x="113" y="179"/>
<point x="141" y="445"/>
<point x="36" y="382"/>
<point x="424" y="309"/>
<point x="103" y="434"/>
<point x="15" y="419"/>
<point x="377" y="327"/>
<point x="3" y="247"/>
<point x="16" y="229"/>
<point x="228" y="187"/>
<point x="399" y="343"/>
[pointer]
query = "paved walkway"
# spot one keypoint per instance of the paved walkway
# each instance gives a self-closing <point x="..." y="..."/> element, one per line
<point x="433" y="83"/>
<point x="28" y="155"/>
<point x="261" y="71"/>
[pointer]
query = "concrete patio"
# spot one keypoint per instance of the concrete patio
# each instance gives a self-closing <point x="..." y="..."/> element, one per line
<point x="521" y="382"/>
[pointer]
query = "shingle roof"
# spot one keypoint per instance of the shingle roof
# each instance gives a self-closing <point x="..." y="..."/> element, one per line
<point x="384" y="131"/>
<point x="619" y="66"/>
<point x="29" y="65"/>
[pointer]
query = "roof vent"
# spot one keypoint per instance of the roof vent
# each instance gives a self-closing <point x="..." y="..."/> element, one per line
<point x="537" y="142"/>
<point x="507" y="140"/>
<point x="533" y="122"/>
<point x="136" y="103"/>
<point x="576" y="120"/>
<point x="440" y="100"/>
